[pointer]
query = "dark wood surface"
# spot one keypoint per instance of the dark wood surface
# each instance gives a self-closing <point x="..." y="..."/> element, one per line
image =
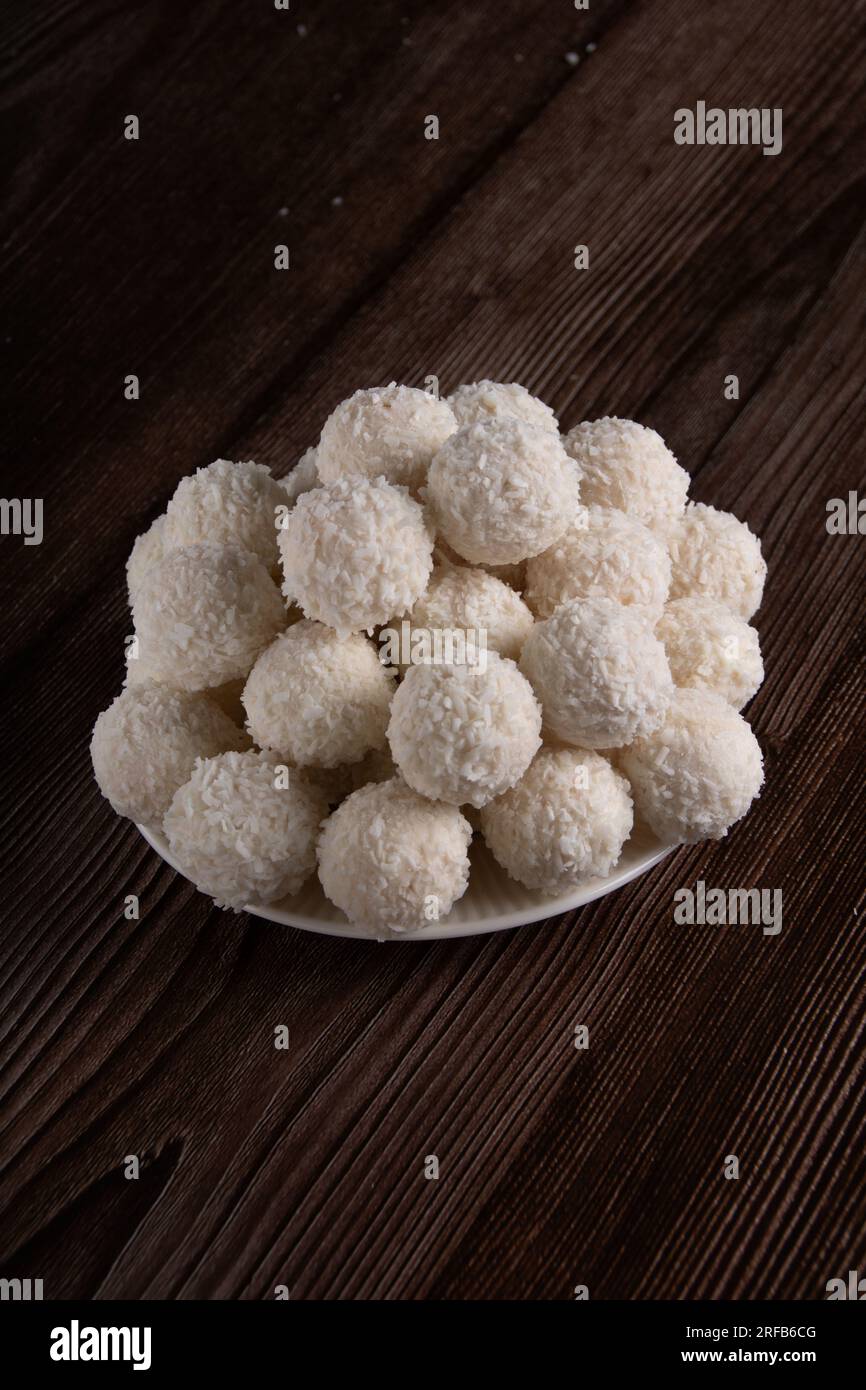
<point x="452" y="257"/>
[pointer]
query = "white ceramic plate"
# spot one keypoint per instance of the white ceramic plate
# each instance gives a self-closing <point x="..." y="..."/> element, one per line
<point x="492" y="902"/>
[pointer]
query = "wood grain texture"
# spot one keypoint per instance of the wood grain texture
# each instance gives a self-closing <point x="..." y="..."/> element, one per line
<point x="454" y="258"/>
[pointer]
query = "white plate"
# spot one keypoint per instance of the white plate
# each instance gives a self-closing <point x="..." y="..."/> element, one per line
<point x="492" y="902"/>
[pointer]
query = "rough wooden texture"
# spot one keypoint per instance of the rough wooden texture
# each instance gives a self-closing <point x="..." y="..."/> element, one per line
<point x="455" y="258"/>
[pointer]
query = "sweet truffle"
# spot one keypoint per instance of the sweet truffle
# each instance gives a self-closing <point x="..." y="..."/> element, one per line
<point x="502" y="490"/>
<point x="474" y="604"/>
<point x="203" y="614"/>
<point x="393" y="861"/>
<point x="226" y="504"/>
<point x="244" y="830"/>
<point x="716" y="556"/>
<point x="389" y="431"/>
<point x="629" y="467"/>
<point x="356" y="553"/>
<point x="147" y="551"/>
<point x="318" y="699"/>
<point x="145" y="744"/>
<point x="711" y="648"/>
<point x="485" y="400"/>
<point x="565" y="821"/>
<point x="606" y="554"/>
<point x="698" y="773"/>
<point x="601" y="675"/>
<point x="464" y="733"/>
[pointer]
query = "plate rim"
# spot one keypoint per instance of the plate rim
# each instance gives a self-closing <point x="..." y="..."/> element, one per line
<point x="523" y="916"/>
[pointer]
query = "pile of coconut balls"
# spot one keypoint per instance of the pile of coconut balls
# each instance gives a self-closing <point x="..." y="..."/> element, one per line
<point x="268" y="731"/>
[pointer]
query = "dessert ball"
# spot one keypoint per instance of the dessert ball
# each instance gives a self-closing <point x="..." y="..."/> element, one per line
<point x="487" y="400"/>
<point x="393" y="861"/>
<point x="502" y="490"/>
<point x="147" y="551"/>
<point x="389" y="431"/>
<point x="244" y="829"/>
<point x="716" y="556"/>
<point x="356" y="553"/>
<point x="317" y="698"/>
<point x="698" y="773"/>
<point x="628" y="467"/>
<point x="606" y="554"/>
<point x="600" y="673"/>
<point x="203" y="614"/>
<point x="710" y="648"/>
<point x="145" y="745"/>
<point x="303" y="477"/>
<point x="564" y="822"/>
<point x="464" y="733"/>
<point x="471" y="603"/>
<point x="226" y="504"/>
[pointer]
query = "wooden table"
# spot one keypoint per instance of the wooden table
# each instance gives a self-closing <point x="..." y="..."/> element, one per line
<point x="412" y="257"/>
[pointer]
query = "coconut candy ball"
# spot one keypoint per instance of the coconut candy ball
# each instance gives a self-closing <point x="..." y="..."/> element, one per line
<point x="606" y="554"/>
<point x="698" y="773"/>
<point x="392" y="860"/>
<point x="502" y="490"/>
<point x="486" y="400"/>
<point x="564" y="822"/>
<point x="203" y="614"/>
<point x="600" y="673"/>
<point x="464" y="733"/>
<point x="226" y="504"/>
<point x="227" y="696"/>
<point x="303" y="478"/>
<point x="355" y="553"/>
<point x="244" y="828"/>
<point x="710" y="648"/>
<point x="145" y="745"/>
<point x="389" y="431"/>
<point x="317" y="698"/>
<point x="147" y="551"/>
<point x="474" y="604"/>
<point x="629" y="467"/>
<point x="716" y="556"/>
